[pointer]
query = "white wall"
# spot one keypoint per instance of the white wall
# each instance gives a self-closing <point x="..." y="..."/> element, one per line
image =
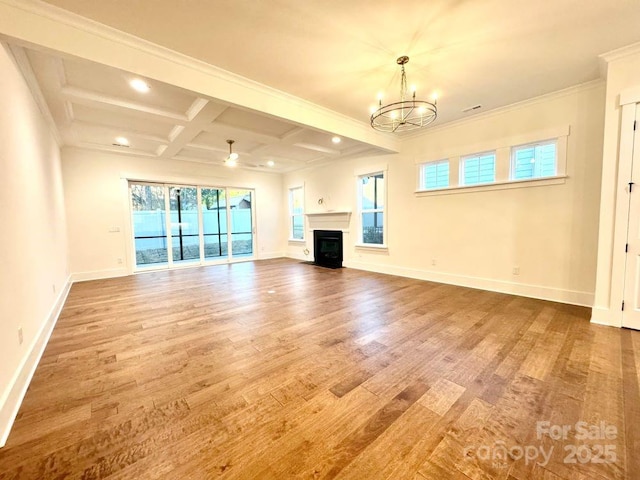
<point x="96" y="200"/>
<point x="33" y="244"/>
<point x="623" y="72"/>
<point x="476" y="238"/>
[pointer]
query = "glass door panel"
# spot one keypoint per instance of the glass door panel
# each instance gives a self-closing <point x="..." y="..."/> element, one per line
<point x="149" y="224"/>
<point x="214" y="223"/>
<point x="185" y="233"/>
<point x="241" y="215"/>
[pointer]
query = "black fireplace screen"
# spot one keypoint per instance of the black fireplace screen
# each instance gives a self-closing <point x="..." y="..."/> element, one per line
<point x="328" y="248"/>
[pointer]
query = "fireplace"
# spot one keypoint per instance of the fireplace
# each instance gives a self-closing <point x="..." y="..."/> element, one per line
<point x="327" y="246"/>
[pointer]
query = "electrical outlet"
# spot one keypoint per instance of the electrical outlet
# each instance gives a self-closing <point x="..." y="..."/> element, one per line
<point x="119" y="260"/>
<point x="516" y="270"/>
<point x="20" y="336"/>
<point x="433" y="262"/>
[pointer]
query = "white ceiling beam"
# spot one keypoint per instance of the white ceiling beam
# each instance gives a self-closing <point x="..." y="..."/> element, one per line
<point x="238" y="133"/>
<point x="318" y="148"/>
<point x="113" y="149"/>
<point x="210" y="148"/>
<point x="120" y="132"/>
<point x="107" y="102"/>
<point x="201" y="113"/>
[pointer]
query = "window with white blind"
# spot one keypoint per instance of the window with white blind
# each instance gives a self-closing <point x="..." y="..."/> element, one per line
<point x="296" y="213"/>
<point x="478" y="168"/>
<point x="434" y="175"/>
<point x="534" y="160"/>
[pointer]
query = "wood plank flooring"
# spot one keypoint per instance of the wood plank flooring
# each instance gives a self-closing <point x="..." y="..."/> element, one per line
<point x="277" y="369"/>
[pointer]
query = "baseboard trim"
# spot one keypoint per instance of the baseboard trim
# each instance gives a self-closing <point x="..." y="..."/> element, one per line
<point x="572" y="297"/>
<point x="269" y="255"/>
<point x="99" y="274"/>
<point x="22" y="378"/>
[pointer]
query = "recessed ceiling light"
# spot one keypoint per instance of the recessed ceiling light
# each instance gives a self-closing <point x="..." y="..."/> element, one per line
<point x="271" y="163"/>
<point x="336" y="139"/>
<point x="139" y="85"/>
<point x="122" y="141"/>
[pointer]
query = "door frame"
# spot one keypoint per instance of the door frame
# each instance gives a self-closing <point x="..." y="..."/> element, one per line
<point x="628" y="100"/>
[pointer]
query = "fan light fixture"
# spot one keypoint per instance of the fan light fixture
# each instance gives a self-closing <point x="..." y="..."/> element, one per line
<point x="232" y="159"/>
<point x="405" y="115"/>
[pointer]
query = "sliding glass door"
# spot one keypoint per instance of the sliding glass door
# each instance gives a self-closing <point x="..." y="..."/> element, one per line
<point x="185" y="237"/>
<point x="241" y="222"/>
<point x="214" y="223"/>
<point x="149" y="224"/>
<point x="203" y="224"/>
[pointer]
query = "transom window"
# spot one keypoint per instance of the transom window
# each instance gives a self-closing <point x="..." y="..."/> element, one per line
<point x="534" y="160"/>
<point x="478" y="168"/>
<point x="434" y="175"/>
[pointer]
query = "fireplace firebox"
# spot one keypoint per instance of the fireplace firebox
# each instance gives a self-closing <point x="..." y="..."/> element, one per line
<point x="327" y="246"/>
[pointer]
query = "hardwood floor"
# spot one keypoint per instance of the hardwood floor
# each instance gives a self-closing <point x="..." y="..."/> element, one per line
<point x="277" y="369"/>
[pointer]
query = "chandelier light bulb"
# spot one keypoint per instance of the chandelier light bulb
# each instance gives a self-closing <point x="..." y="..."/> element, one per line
<point x="231" y="160"/>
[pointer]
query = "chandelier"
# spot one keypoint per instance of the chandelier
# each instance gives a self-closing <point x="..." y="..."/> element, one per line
<point x="407" y="114"/>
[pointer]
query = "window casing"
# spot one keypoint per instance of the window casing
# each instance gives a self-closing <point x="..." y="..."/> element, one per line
<point x="478" y="168"/>
<point x="296" y="213"/>
<point x="534" y="160"/>
<point x="371" y="200"/>
<point x="434" y="175"/>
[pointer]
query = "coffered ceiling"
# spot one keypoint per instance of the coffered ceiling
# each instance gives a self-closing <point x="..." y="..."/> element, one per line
<point x="282" y="77"/>
<point x="94" y="106"/>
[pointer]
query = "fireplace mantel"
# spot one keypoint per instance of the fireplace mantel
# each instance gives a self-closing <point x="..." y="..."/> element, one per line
<point x="329" y="212"/>
<point x="329" y="220"/>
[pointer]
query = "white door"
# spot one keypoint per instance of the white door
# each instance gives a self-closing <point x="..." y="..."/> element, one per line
<point x="631" y="308"/>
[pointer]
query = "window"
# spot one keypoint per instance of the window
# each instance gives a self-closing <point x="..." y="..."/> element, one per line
<point x="478" y="168"/>
<point x="434" y="175"/>
<point x="296" y="212"/>
<point x="371" y="193"/>
<point x="534" y="160"/>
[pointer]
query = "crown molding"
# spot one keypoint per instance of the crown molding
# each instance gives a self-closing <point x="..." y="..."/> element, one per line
<point x="582" y="87"/>
<point x="40" y="24"/>
<point x="22" y="61"/>
<point x="619" y="53"/>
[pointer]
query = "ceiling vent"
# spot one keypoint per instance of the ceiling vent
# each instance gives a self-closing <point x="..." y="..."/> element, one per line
<point x="470" y="109"/>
